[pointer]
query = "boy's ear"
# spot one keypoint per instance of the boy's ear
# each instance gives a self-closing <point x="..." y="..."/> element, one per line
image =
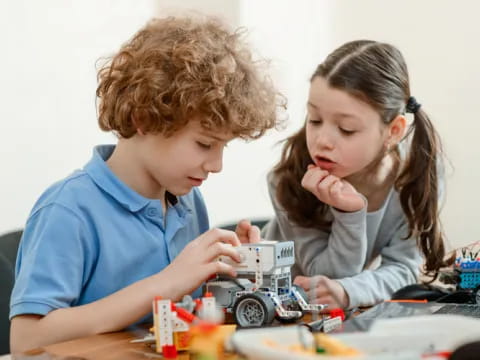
<point x="136" y="125"/>
<point x="396" y="129"/>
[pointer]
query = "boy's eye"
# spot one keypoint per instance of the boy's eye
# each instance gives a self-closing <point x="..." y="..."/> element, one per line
<point x="203" y="145"/>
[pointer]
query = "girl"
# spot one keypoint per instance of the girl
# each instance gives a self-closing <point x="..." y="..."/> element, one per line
<point x="353" y="183"/>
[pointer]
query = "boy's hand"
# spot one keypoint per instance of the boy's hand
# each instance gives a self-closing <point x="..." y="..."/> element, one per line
<point x="332" y="190"/>
<point x="247" y="233"/>
<point x="198" y="261"/>
<point x="323" y="290"/>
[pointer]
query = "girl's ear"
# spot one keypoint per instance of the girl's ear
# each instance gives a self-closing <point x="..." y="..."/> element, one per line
<point x="396" y="130"/>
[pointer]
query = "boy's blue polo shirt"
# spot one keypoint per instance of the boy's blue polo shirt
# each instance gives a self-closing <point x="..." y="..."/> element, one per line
<point x="90" y="235"/>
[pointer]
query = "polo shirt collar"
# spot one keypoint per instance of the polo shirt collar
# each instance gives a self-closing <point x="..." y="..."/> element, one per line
<point x="103" y="176"/>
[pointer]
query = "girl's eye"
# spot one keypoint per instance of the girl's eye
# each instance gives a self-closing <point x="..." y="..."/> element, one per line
<point x="347" y="132"/>
<point x="315" y="122"/>
<point x="203" y="145"/>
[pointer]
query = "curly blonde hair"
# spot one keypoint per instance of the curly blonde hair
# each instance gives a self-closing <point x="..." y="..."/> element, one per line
<point x="177" y="68"/>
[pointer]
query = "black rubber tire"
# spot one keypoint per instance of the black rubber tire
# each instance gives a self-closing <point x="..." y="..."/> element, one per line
<point x="253" y="310"/>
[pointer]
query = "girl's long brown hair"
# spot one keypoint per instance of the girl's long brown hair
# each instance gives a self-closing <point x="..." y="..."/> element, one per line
<point x="375" y="73"/>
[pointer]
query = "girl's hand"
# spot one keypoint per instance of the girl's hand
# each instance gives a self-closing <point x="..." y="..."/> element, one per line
<point x="322" y="290"/>
<point x="332" y="190"/>
<point x="247" y="233"/>
<point x="198" y="261"/>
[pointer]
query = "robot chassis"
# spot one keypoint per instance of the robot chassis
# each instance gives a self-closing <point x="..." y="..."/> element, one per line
<point x="263" y="288"/>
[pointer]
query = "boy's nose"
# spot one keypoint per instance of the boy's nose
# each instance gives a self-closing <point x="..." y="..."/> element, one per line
<point x="214" y="165"/>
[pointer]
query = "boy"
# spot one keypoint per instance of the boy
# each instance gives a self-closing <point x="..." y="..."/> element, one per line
<point x="131" y="225"/>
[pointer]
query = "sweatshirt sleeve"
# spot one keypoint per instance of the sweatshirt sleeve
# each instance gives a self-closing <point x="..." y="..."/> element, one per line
<point x="399" y="267"/>
<point x="336" y="254"/>
<point x="401" y="259"/>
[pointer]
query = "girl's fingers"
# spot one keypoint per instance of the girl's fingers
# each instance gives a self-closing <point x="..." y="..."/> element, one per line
<point x="307" y="179"/>
<point x="313" y="177"/>
<point x="316" y="172"/>
<point x="336" y="188"/>
<point x="320" y="174"/>
<point x="324" y="299"/>
<point x="310" y="282"/>
<point x="303" y="282"/>
<point x="328" y="300"/>
<point x="326" y="182"/>
<point x="318" y="292"/>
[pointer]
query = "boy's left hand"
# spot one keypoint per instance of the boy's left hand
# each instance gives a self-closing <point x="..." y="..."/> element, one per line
<point x="325" y="291"/>
<point x="247" y="233"/>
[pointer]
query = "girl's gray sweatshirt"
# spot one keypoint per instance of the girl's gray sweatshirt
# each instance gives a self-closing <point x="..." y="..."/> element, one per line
<point x="345" y="252"/>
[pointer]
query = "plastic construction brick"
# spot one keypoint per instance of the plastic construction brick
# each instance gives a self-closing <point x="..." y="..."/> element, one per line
<point x="469" y="280"/>
<point x="472" y="265"/>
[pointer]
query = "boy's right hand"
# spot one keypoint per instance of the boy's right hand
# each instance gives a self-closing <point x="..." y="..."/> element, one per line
<point x="198" y="261"/>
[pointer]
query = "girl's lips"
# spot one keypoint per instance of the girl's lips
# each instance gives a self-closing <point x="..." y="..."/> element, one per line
<point x="324" y="163"/>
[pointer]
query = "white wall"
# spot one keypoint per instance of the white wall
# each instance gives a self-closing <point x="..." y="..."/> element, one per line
<point x="440" y="40"/>
<point x="47" y="92"/>
<point x="47" y="66"/>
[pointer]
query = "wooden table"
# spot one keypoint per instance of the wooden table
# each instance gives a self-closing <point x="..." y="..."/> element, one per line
<point x="111" y="346"/>
<point x="105" y="346"/>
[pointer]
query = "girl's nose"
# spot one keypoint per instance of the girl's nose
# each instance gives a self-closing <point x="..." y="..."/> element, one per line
<point x="324" y="140"/>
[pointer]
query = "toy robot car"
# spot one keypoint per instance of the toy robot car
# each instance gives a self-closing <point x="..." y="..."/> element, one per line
<point x="263" y="288"/>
